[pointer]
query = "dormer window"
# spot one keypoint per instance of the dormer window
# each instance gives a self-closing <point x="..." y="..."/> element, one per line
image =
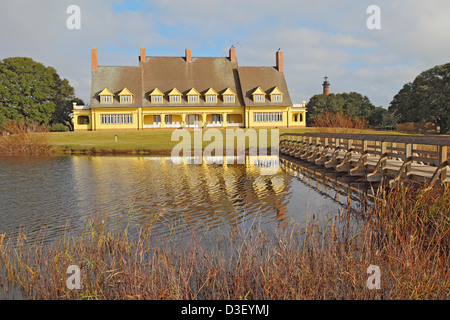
<point x="193" y="96"/>
<point x="211" y="96"/>
<point x="157" y="99"/>
<point x="156" y="96"/>
<point x="106" y="96"/>
<point x="106" y="99"/>
<point x="276" y="98"/>
<point x="276" y="95"/>
<point x="126" y="96"/>
<point x="229" y="96"/>
<point x="175" y="96"/>
<point x="259" y="95"/>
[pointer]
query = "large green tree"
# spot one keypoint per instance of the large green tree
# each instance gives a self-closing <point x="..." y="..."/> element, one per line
<point x="426" y="99"/>
<point x="33" y="92"/>
<point x="353" y="104"/>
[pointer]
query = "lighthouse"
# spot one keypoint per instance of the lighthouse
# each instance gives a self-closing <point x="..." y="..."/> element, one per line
<point x="326" y="86"/>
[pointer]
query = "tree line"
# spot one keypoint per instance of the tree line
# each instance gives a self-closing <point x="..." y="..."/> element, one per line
<point x="426" y="99"/>
<point x="32" y="92"/>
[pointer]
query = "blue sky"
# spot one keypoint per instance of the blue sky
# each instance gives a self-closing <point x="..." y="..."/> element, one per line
<point x="326" y="37"/>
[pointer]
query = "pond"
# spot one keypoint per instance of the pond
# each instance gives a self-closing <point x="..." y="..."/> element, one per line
<point x="59" y="192"/>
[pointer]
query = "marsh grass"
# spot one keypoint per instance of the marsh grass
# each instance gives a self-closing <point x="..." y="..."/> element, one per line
<point x="405" y="233"/>
<point x="20" y="137"/>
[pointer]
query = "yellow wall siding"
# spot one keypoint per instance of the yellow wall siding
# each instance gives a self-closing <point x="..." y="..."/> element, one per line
<point x="117" y="111"/>
<point x="143" y="117"/>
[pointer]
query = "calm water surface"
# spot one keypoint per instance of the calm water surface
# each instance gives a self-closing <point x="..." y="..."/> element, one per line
<point x="55" y="192"/>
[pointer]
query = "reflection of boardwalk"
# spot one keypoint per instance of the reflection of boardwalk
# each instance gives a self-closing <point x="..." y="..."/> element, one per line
<point x="353" y="158"/>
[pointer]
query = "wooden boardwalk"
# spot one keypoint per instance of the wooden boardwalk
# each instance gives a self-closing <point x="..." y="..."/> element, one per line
<point x="371" y="158"/>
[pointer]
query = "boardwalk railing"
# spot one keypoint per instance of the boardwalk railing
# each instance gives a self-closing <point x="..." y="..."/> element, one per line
<point x="373" y="157"/>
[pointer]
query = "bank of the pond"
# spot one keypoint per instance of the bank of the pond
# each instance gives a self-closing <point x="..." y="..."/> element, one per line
<point x="147" y="142"/>
<point x="405" y="236"/>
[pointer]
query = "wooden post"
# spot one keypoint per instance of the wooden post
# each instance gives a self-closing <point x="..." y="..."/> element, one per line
<point x="443" y="157"/>
<point x="408" y="157"/>
<point x="364" y="151"/>
<point x="383" y="151"/>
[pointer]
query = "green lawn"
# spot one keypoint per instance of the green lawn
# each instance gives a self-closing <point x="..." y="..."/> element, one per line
<point x="156" y="140"/>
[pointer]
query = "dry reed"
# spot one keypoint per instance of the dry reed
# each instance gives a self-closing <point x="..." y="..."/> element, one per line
<point x="405" y="233"/>
<point x="20" y="137"/>
<point x="339" y="123"/>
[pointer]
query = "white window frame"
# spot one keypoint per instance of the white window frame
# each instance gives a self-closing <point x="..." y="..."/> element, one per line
<point x="126" y="99"/>
<point x="258" y="98"/>
<point x="106" y="99"/>
<point x="116" y="119"/>
<point x="193" y="98"/>
<point x="157" y="98"/>
<point x="211" y="98"/>
<point x="229" y="98"/>
<point x="175" y="98"/>
<point x="276" y="98"/>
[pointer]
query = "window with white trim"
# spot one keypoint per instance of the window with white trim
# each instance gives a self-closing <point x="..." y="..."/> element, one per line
<point x="125" y="99"/>
<point x="276" y="97"/>
<point x="268" y="117"/>
<point x="175" y="98"/>
<point x="228" y="98"/>
<point x="116" y="118"/>
<point x="193" y="98"/>
<point x="258" y="97"/>
<point x="156" y="99"/>
<point x="211" y="98"/>
<point x="106" y="99"/>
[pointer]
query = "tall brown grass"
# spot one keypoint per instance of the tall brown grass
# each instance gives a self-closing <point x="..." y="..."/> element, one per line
<point x="405" y="233"/>
<point x="339" y="123"/>
<point x="23" y="137"/>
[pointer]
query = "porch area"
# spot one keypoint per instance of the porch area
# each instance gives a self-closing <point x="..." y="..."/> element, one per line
<point x="192" y="120"/>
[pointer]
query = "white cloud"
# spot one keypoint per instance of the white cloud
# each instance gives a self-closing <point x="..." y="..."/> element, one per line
<point x="319" y="38"/>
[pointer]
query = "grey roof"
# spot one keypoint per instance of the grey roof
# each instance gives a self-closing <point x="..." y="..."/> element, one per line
<point x="167" y="73"/>
<point x="267" y="78"/>
<point x="116" y="78"/>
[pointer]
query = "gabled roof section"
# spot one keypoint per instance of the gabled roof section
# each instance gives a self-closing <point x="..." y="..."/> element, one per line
<point x="156" y="92"/>
<point x="228" y="91"/>
<point x="106" y="92"/>
<point x="193" y="92"/>
<point x="126" y="92"/>
<point x="175" y="92"/>
<point x="259" y="91"/>
<point x="276" y="91"/>
<point x="267" y="78"/>
<point x="211" y="91"/>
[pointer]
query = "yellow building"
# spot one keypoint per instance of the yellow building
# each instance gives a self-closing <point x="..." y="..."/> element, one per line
<point x="188" y="92"/>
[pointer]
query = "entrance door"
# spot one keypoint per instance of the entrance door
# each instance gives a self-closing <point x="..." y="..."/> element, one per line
<point x="192" y="121"/>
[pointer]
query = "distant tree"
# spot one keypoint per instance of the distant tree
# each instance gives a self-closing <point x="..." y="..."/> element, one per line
<point x="352" y="104"/>
<point x="426" y="99"/>
<point x="32" y="92"/>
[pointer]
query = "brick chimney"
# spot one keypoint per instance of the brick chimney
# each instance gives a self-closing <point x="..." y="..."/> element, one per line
<point x="94" y="59"/>
<point x="280" y="64"/>
<point x="326" y="86"/>
<point x="233" y="54"/>
<point x="188" y="55"/>
<point x="142" y="56"/>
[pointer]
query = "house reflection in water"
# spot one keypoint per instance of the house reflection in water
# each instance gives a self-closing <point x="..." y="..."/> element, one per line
<point x="183" y="197"/>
